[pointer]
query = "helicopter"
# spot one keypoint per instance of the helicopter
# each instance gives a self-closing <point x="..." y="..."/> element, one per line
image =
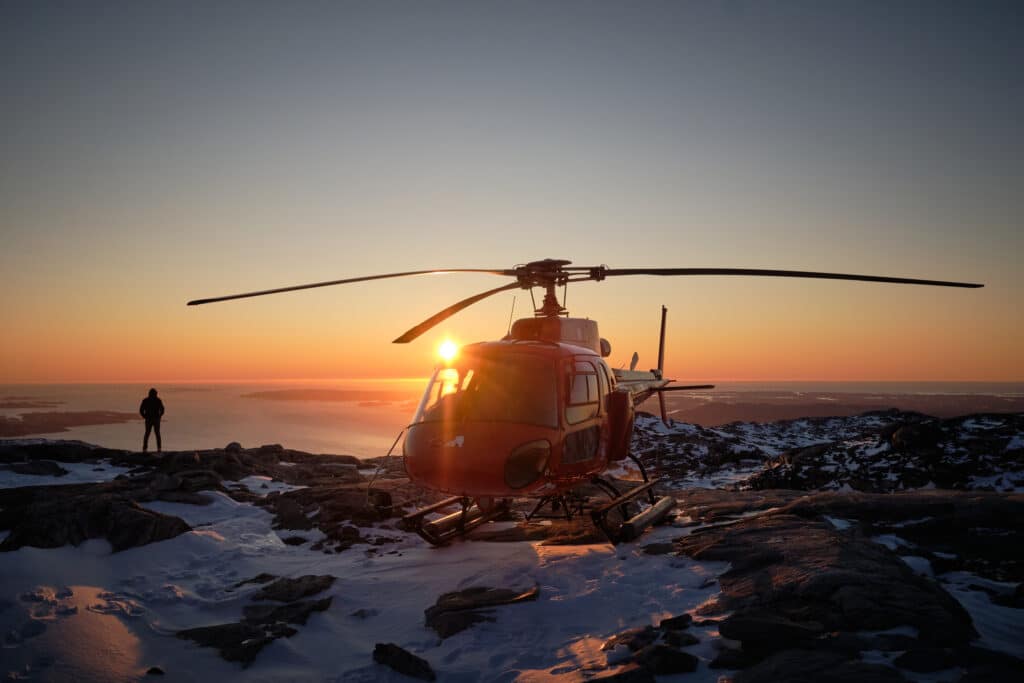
<point x="539" y="413"/>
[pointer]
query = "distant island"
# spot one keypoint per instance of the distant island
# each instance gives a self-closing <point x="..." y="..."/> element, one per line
<point x="710" y="409"/>
<point x="26" y="424"/>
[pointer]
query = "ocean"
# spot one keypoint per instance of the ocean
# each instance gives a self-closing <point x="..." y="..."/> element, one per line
<point x="355" y="417"/>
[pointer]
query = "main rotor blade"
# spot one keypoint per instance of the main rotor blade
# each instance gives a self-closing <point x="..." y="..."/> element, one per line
<point x="262" y="292"/>
<point x="449" y="312"/>
<point x="608" y="272"/>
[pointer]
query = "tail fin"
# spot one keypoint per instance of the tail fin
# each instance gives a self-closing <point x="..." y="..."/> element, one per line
<point x="661" y="365"/>
<point x="661" y="345"/>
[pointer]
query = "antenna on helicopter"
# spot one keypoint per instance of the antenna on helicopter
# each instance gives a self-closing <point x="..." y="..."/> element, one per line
<point x="511" y="314"/>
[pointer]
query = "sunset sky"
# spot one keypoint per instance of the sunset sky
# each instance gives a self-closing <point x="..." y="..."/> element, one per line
<point x="152" y="153"/>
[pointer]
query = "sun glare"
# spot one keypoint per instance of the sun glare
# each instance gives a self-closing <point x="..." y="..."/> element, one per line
<point x="448" y="350"/>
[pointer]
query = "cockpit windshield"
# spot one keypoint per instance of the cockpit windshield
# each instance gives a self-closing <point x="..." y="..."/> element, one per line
<point x="511" y="388"/>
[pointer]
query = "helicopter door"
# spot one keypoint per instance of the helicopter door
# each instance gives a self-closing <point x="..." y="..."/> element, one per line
<point x="582" y="408"/>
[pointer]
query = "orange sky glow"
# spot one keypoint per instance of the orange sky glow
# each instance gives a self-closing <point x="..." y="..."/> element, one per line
<point x="292" y="145"/>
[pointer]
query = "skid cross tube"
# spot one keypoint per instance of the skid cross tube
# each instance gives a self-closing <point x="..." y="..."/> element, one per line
<point x="440" y="531"/>
<point x="599" y="515"/>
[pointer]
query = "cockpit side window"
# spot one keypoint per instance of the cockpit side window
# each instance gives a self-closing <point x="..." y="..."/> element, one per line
<point x="583" y="396"/>
<point x="603" y="386"/>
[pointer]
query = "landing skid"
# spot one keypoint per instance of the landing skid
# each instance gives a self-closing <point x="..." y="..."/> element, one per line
<point x="439" y="531"/>
<point x="631" y="526"/>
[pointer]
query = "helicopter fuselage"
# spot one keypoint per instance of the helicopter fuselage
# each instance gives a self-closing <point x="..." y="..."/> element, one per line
<point x="522" y="417"/>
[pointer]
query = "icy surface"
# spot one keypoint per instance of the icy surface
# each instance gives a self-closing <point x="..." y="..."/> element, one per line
<point x="132" y="602"/>
<point x="263" y="485"/>
<point x="78" y="473"/>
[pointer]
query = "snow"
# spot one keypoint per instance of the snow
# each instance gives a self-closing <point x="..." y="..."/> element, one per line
<point x="131" y="603"/>
<point x="1001" y="481"/>
<point x="998" y="626"/>
<point x="981" y="424"/>
<point x="919" y="564"/>
<point x="78" y="473"/>
<point x="911" y="522"/>
<point x="262" y="485"/>
<point x="891" y="541"/>
<point x="840" y="524"/>
<point x="112" y="616"/>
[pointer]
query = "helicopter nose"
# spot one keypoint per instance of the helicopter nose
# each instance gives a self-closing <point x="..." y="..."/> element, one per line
<point x="467" y="459"/>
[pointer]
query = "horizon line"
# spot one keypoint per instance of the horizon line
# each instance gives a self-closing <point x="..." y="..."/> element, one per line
<point x="426" y="378"/>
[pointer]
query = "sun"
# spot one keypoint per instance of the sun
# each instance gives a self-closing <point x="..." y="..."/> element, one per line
<point x="448" y="350"/>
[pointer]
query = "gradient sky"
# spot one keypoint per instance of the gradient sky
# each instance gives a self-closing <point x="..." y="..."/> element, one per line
<point x="151" y="153"/>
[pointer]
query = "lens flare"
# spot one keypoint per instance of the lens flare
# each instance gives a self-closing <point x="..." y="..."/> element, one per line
<point x="448" y="350"/>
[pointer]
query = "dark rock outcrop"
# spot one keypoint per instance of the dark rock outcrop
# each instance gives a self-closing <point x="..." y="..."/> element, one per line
<point x="812" y="582"/>
<point x="456" y="611"/>
<point x="634" y="673"/>
<point x="973" y="452"/>
<point x="237" y="642"/>
<point x="976" y="531"/>
<point x="403" y="661"/>
<point x="50" y="517"/>
<point x="662" y="659"/>
<point x="635" y="638"/>
<point x="817" y="666"/>
<point x="289" y="590"/>
<point x="45" y="468"/>
<point x="260" y="625"/>
<point x="292" y="613"/>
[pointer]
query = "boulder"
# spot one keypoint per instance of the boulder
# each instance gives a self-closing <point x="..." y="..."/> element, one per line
<point x="635" y="639"/>
<point x="403" y="661"/>
<point x="290" y="515"/>
<point x="925" y="660"/>
<point x="764" y="628"/>
<point x="45" y="468"/>
<point x="456" y="611"/>
<point x="289" y="590"/>
<point x="447" y="624"/>
<point x="634" y="673"/>
<point x="182" y="461"/>
<point x="811" y="580"/>
<point x="48" y="517"/>
<point x="662" y="660"/>
<point x="676" y="623"/>
<point x="237" y="642"/>
<point x="680" y="638"/>
<point x="817" y="666"/>
<point x="917" y="436"/>
<point x="292" y="613"/>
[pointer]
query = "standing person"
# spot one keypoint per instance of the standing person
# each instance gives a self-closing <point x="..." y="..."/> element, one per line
<point x="151" y="409"/>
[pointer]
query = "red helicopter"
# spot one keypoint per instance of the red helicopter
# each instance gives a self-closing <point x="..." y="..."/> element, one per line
<point x="539" y="413"/>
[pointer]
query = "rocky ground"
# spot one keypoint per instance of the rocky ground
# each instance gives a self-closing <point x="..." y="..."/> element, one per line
<point x="885" y="546"/>
<point x="879" y="451"/>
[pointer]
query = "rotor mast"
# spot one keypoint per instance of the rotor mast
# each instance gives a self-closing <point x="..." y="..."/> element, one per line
<point x="547" y="274"/>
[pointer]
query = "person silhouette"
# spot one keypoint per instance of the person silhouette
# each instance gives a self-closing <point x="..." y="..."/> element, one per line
<point x="151" y="409"/>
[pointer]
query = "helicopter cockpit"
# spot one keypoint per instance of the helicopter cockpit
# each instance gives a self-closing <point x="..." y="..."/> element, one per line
<point x="516" y="388"/>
